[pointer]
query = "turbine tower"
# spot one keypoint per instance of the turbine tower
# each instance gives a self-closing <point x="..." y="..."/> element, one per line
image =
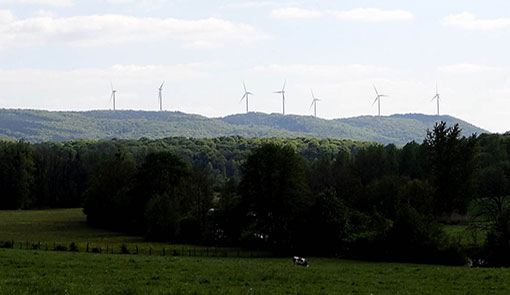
<point x="246" y="94"/>
<point x="314" y="103"/>
<point x="378" y="100"/>
<point x="161" y="96"/>
<point x="436" y="97"/>
<point x="282" y="92"/>
<point x="112" y="97"/>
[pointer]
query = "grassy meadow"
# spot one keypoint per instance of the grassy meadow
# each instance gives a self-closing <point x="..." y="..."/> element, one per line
<point x="41" y="272"/>
<point x="52" y="272"/>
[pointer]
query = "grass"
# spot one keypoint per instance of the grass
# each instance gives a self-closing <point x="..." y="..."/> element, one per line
<point x="54" y="227"/>
<point x="52" y="272"/>
<point x="464" y="236"/>
<point x="41" y="272"/>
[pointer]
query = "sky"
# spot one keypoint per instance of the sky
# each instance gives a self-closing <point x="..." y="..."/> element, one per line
<point x="62" y="55"/>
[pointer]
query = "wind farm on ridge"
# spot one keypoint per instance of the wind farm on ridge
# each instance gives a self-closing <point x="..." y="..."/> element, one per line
<point x="246" y="95"/>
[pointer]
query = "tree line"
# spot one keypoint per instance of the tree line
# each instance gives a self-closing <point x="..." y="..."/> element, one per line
<point x="290" y="196"/>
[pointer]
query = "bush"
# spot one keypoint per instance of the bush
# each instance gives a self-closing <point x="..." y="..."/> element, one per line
<point x="8" y="245"/>
<point x="162" y="217"/>
<point x="124" y="249"/>
<point x="60" y="248"/>
<point x="73" y="247"/>
<point x="498" y="240"/>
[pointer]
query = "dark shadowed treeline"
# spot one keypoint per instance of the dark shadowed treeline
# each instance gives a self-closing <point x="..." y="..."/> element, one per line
<point x="299" y="196"/>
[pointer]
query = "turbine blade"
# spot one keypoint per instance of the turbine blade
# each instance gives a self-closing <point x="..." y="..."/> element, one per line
<point x="375" y="100"/>
<point x="313" y="96"/>
<point x="284" y="83"/>
<point x="242" y="98"/>
<point x="376" y="91"/>
<point x="311" y="105"/>
<point x="244" y="86"/>
<point x="161" y="87"/>
<point x="111" y="84"/>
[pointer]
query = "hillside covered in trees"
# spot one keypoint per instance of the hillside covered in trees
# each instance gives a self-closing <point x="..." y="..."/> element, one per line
<point x="38" y="126"/>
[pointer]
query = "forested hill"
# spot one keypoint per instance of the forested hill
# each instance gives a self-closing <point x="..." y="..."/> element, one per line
<point x="38" y="126"/>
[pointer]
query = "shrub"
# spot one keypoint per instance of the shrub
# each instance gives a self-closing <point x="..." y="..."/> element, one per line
<point x="8" y="245"/>
<point x="124" y="249"/>
<point x="60" y="248"/>
<point x="73" y="247"/>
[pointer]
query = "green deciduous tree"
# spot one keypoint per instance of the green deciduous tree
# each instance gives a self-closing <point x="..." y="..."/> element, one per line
<point x="16" y="175"/>
<point x="275" y="194"/>
<point x="450" y="160"/>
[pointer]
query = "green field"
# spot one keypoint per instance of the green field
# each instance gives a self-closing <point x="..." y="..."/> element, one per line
<point x="51" y="272"/>
<point x="41" y="272"/>
<point x="64" y="226"/>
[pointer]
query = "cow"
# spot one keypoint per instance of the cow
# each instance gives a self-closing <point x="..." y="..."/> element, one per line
<point x="300" y="261"/>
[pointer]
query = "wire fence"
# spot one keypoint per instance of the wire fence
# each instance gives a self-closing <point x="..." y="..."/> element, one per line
<point x="136" y="250"/>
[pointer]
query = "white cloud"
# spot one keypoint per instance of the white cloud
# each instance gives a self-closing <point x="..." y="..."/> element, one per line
<point x="102" y="30"/>
<point x="6" y="16"/>
<point x="294" y="12"/>
<point x="58" y="3"/>
<point x="469" y="21"/>
<point x="460" y="69"/>
<point x="369" y="15"/>
<point x="252" y="4"/>
<point x="325" y="71"/>
<point x="355" y="15"/>
<point x="120" y="1"/>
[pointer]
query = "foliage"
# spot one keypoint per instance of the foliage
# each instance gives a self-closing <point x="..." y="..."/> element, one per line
<point x="38" y="126"/>
<point x="450" y="159"/>
<point x="274" y="194"/>
<point x="290" y="196"/>
<point x="16" y="175"/>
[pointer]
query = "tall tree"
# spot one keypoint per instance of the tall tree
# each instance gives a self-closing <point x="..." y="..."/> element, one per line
<point x="450" y="159"/>
<point x="16" y="175"/>
<point x="275" y="193"/>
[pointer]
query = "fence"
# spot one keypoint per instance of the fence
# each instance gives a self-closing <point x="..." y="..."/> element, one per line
<point x="136" y="250"/>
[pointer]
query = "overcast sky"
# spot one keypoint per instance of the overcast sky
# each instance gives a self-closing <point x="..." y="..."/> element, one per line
<point x="62" y="54"/>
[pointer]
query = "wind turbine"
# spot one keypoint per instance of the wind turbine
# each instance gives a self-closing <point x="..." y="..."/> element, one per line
<point x="282" y="92"/>
<point x="378" y="100"/>
<point x="314" y="103"/>
<point x="436" y="97"/>
<point x="112" y="97"/>
<point x="246" y="94"/>
<point x="161" y="96"/>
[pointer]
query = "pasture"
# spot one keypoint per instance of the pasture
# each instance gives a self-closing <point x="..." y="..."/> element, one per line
<point x="48" y="272"/>
<point x="52" y="272"/>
